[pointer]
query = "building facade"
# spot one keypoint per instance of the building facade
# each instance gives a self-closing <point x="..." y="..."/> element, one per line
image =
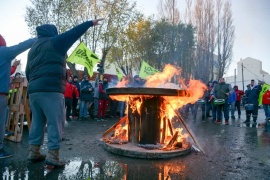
<point x="248" y="69"/>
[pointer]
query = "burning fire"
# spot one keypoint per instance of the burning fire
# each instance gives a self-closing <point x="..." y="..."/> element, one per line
<point x="168" y="108"/>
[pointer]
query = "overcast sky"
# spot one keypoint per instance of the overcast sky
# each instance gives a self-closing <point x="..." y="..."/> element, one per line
<point x="251" y="20"/>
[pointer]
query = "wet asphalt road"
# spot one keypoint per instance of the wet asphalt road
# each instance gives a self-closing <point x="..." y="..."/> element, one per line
<point x="232" y="151"/>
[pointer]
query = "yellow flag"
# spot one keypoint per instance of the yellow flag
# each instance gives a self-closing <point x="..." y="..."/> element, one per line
<point x="146" y="70"/>
<point x="119" y="75"/>
<point x="83" y="56"/>
<point x="265" y="87"/>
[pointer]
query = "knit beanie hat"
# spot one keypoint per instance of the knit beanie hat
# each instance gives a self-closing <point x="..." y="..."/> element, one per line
<point x="2" y="41"/>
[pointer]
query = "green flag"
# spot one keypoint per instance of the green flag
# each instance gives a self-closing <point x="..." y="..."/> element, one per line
<point x="83" y="56"/>
<point x="146" y="70"/>
<point x="119" y="75"/>
<point x="265" y="87"/>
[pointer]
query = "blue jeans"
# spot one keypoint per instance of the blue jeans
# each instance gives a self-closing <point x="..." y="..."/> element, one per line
<point x="232" y="104"/>
<point x="84" y="108"/>
<point x="3" y="108"/>
<point x="214" y="112"/>
<point x="225" y="109"/>
<point x="266" y="110"/>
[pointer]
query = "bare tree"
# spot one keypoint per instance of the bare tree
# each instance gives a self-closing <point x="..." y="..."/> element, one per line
<point x="215" y="31"/>
<point x="167" y="10"/>
<point x="225" y="36"/>
<point x="204" y="22"/>
<point x="65" y="14"/>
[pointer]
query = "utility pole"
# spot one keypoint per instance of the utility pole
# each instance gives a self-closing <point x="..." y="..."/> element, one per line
<point x="173" y="13"/>
<point x="234" y="76"/>
<point x="243" y="76"/>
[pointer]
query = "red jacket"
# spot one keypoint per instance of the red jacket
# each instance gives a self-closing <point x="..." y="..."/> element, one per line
<point x="266" y="97"/>
<point x="239" y="93"/>
<point x="13" y="69"/>
<point x="70" y="90"/>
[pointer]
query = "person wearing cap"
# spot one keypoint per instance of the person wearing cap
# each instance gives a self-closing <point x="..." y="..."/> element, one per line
<point x="46" y="73"/>
<point x="7" y="54"/>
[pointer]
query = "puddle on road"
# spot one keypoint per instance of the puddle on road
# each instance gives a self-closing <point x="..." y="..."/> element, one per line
<point x="91" y="169"/>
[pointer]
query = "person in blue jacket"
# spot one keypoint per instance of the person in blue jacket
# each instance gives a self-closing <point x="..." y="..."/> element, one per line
<point x="46" y="73"/>
<point x="252" y="98"/>
<point x="7" y="54"/>
<point x="231" y="102"/>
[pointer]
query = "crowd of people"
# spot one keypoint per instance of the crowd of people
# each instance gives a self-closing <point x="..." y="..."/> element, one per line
<point x="223" y="102"/>
<point x="54" y="96"/>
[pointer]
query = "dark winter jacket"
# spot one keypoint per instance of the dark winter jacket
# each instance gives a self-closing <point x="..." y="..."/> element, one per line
<point x="7" y="54"/>
<point x="85" y="94"/>
<point x="252" y="95"/>
<point x="46" y="66"/>
<point x="221" y="89"/>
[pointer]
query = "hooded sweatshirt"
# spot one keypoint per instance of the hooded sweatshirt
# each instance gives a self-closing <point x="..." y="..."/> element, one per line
<point x="239" y="93"/>
<point x="46" y="66"/>
<point x="7" y="54"/>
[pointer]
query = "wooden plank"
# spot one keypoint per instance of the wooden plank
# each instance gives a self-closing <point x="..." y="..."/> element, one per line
<point x="113" y="127"/>
<point x="16" y="105"/>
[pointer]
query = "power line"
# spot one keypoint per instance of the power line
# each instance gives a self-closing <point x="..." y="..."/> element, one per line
<point x="251" y="72"/>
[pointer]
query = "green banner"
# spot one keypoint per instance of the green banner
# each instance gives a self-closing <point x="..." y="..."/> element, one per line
<point x="265" y="87"/>
<point x="83" y="56"/>
<point x="146" y="70"/>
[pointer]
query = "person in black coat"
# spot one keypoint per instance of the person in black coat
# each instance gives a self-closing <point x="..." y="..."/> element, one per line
<point x="46" y="74"/>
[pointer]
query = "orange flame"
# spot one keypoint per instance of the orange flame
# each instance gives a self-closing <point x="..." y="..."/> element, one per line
<point x="195" y="90"/>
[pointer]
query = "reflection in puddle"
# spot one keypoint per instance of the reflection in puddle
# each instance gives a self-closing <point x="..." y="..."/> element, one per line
<point x="91" y="169"/>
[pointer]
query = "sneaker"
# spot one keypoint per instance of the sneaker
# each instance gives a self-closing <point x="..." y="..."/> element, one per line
<point x="233" y="117"/>
<point x="218" y="121"/>
<point x="226" y="122"/>
<point x="4" y="154"/>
